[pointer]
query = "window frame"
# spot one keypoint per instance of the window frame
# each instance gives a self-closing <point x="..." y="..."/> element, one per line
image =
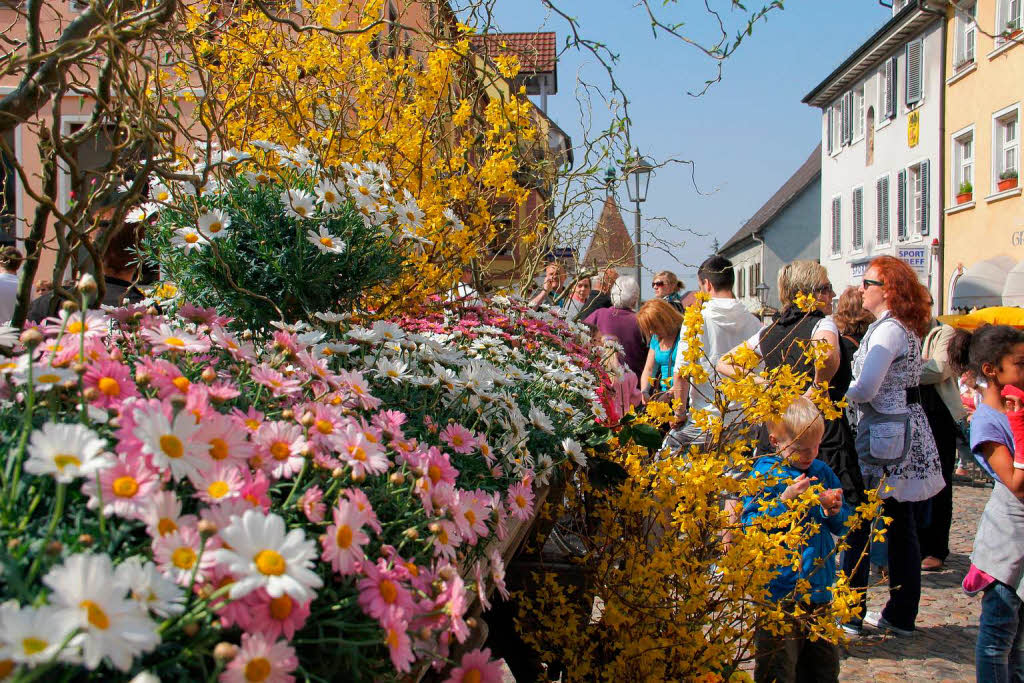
<point x="966" y="23"/>
<point x="907" y="105"/>
<point x="999" y="147"/>
<point x="957" y="140"/>
<point x="1005" y="18"/>
<point x="16" y="213"/>
<point x="858" y="113"/>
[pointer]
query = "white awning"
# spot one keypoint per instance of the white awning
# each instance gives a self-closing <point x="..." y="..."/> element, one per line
<point x="983" y="283"/>
<point x="1013" y="289"/>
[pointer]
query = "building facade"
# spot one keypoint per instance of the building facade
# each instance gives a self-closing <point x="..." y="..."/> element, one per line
<point x="786" y="228"/>
<point x="983" y="246"/>
<point x="881" y="151"/>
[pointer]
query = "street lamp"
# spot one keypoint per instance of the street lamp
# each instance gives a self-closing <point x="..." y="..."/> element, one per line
<point x="639" y="172"/>
<point x="762" y="294"/>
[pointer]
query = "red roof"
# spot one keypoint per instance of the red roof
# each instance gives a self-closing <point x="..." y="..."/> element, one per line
<point x="611" y="244"/>
<point x="537" y="52"/>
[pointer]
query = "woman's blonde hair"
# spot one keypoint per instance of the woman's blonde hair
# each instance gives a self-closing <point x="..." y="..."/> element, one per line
<point x="674" y="285"/>
<point x="802" y="420"/>
<point x="658" y="315"/>
<point x="800" y="276"/>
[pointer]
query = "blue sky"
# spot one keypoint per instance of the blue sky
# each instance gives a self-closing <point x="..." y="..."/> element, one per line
<point x="747" y="135"/>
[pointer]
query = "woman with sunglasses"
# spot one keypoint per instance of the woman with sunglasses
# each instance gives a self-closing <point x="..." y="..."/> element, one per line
<point x="894" y="443"/>
<point x="668" y="288"/>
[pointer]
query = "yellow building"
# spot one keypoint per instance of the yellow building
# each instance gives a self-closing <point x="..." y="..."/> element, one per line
<point x="983" y="245"/>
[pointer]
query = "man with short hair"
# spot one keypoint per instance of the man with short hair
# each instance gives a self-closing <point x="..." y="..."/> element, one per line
<point x="727" y="323"/>
<point x="554" y="280"/>
<point x="600" y="297"/>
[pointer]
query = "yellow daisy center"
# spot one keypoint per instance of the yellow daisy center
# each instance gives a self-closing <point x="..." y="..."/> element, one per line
<point x="218" y="448"/>
<point x="357" y="453"/>
<point x="281" y="608"/>
<point x="364" y="190"/>
<point x="172" y="446"/>
<point x="472" y="676"/>
<point x="95" y="614"/>
<point x="216" y="226"/>
<point x="470" y="516"/>
<point x="324" y="426"/>
<point x="301" y="210"/>
<point x="218" y="489"/>
<point x="62" y="460"/>
<point x="166" y="526"/>
<point x="434" y="473"/>
<point x="191" y="238"/>
<point x="329" y="197"/>
<point x="174" y="341"/>
<point x="108" y="386"/>
<point x="182" y="383"/>
<point x="33" y="645"/>
<point x="327" y="242"/>
<point x="75" y="327"/>
<point x="521" y="501"/>
<point x="48" y="378"/>
<point x="252" y="424"/>
<point x="257" y="670"/>
<point x="125" y="487"/>
<point x="183" y="557"/>
<point x="270" y="562"/>
<point x="280" y="450"/>
<point x="388" y="591"/>
<point x="343" y="537"/>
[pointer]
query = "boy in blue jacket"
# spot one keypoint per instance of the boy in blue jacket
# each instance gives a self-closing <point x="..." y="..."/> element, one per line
<point x="795" y="467"/>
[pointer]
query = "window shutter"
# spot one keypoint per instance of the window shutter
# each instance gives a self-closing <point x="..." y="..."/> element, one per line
<point x="828" y="126"/>
<point x="924" y="197"/>
<point x="858" y="218"/>
<point x="901" y="205"/>
<point x="890" y="88"/>
<point x="837" y="233"/>
<point x="914" y="71"/>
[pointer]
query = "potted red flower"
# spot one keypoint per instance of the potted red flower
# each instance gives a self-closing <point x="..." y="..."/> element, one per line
<point x="1013" y="29"/>
<point x="965" y="193"/>
<point x="1007" y="180"/>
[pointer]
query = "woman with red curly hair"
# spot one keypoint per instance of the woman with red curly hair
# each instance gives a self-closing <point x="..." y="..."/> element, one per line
<point x="894" y="443"/>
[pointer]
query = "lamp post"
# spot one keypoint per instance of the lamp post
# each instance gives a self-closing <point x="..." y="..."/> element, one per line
<point x="762" y="294"/>
<point x="639" y="175"/>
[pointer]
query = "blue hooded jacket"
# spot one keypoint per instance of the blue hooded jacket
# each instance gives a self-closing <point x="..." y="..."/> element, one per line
<point x="818" y="564"/>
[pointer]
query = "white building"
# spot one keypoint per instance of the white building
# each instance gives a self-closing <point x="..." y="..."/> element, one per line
<point x="881" y="168"/>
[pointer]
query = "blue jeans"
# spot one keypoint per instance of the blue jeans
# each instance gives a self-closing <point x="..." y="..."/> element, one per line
<point x="999" y="654"/>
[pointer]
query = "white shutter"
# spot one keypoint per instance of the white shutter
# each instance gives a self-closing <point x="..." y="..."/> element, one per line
<point x="924" y="197"/>
<point x="828" y="128"/>
<point x="858" y="218"/>
<point x="887" y="94"/>
<point x="914" y="81"/>
<point x="901" y="205"/>
<point x="837" y="232"/>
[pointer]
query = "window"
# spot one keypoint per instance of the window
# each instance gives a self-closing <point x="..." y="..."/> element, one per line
<point x="8" y="197"/>
<point x="963" y="159"/>
<point x="858" y="218"/>
<point x="901" y="205"/>
<point x="882" y="195"/>
<point x="887" y="91"/>
<point x="916" y="222"/>
<point x="914" y="82"/>
<point x="837" y="126"/>
<point x="965" y="37"/>
<point x="837" y="230"/>
<point x="829" y="125"/>
<point x="858" y="113"/>
<point x="1008" y="19"/>
<point x="388" y="41"/>
<point x="740" y="272"/>
<point x="1005" y="142"/>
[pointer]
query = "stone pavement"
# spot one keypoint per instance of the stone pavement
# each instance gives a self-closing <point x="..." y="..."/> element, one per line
<point x="947" y="625"/>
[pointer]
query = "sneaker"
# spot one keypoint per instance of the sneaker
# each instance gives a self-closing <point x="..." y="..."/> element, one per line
<point x="878" y="621"/>
<point x="852" y="629"/>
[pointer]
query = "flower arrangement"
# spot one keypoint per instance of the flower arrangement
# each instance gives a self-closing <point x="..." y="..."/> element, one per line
<point x="193" y="503"/>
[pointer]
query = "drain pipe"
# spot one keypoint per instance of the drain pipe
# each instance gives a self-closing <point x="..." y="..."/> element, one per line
<point x="939" y="264"/>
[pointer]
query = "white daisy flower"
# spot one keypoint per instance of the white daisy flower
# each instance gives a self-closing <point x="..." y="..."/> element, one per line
<point x="188" y="238"/>
<point x="44" y="376"/>
<point x="361" y="334"/>
<point x="262" y="554"/>
<point x="325" y="241"/>
<point x="394" y="370"/>
<point x="171" y="443"/>
<point x="265" y="145"/>
<point x="9" y="335"/>
<point x="365" y="191"/>
<point x="90" y="598"/>
<point x="293" y="328"/>
<point x="258" y="177"/>
<point x="409" y="212"/>
<point x="574" y="449"/>
<point x="159" y="192"/>
<point x="66" y="451"/>
<point x="298" y="203"/>
<point x="310" y="338"/>
<point x="32" y="635"/>
<point x="329" y="317"/>
<point x="388" y="331"/>
<point x="149" y="588"/>
<point x="214" y="224"/>
<point x="141" y="213"/>
<point x="329" y="195"/>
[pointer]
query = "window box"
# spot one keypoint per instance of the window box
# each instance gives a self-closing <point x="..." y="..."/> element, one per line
<point x="1007" y="184"/>
<point x="964" y="197"/>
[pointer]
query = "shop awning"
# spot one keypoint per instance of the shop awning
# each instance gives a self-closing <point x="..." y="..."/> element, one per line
<point x="982" y="285"/>
<point x="1013" y="290"/>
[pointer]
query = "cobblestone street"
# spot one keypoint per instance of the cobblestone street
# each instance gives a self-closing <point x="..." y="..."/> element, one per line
<point x="943" y="649"/>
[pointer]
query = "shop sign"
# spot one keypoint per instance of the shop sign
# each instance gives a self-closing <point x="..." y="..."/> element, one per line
<point x="858" y="269"/>
<point x="913" y="128"/>
<point x="915" y="257"/>
<point x="1017" y="238"/>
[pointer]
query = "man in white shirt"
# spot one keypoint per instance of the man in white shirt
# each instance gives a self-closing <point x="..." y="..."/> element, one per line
<point x="10" y="261"/>
<point x="727" y="322"/>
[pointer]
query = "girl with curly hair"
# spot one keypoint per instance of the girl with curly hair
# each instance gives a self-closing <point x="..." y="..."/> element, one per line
<point x="895" y="446"/>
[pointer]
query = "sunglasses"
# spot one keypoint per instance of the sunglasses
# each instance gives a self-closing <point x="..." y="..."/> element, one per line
<point x="658" y="283"/>
<point x="865" y="283"/>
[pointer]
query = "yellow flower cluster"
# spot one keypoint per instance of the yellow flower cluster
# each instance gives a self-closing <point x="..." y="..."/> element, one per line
<point x="673" y="586"/>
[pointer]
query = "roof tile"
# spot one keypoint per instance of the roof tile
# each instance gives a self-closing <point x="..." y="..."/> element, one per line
<point x="537" y="52"/>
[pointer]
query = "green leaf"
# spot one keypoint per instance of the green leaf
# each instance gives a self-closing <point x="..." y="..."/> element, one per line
<point x="646" y="435"/>
<point x="605" y="474"/>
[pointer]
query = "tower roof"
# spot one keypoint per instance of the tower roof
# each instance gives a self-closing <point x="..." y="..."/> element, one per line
<point x="611" y="243"/>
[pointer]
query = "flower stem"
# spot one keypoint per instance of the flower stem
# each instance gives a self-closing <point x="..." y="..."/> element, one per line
<point x="58" y="512"/>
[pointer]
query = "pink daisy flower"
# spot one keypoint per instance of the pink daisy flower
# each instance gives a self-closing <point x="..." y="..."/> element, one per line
<point x="458" y="438"/>
<point x="223" y="391"/>
<point x="261" y="659"/>
<point x="164" y="338"/>
<point x="92" y="324"/>
<point x="280" y="446"/>
<point x="249" y="420"/>
<point x="486" y="450"/>
<point x="520" y="501"/>
<point x="363" y="456"/>
<point x="219" y="483"/>
<point x="278" y="384"/>
<point x="357" y="389"/>
<point x="163" y="375"/>
<point x="498" y="572"/>
<point x="221" y="515"/>
<point x="273" y="617"/>
<point x="163" y="514"/>
<point x="326" y="421"/>
<point x="381" y="594"/>
<point x="453" y="601"/>
<point x="390" y="422"/>
<point x="446" y="539"/>
<point x="471" y="516"/>
<point x="255" y="491"/>
<point x="359" y="500"/>
<point x="112" y="381"/>
<point x="126" y="487"/>
<point x="438" y="467"/>
<point x="477" y="667"/>
<point x="343" y="543"/>
<point x="312" y="505"/>
<point x="177" y="556"/>
<point x="225" y="442"/>
<point x="195" y="314"/>
<point x="239" y="350"/>
<point x="396" y="636"/>
<point x="317" y="368"/>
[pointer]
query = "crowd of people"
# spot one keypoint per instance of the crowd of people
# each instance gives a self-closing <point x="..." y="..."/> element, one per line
<point x="914" y="389"/>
